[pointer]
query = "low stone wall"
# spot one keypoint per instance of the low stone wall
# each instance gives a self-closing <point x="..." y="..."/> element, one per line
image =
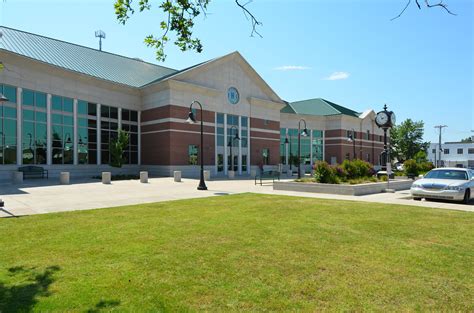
<point x="341" y="189"/>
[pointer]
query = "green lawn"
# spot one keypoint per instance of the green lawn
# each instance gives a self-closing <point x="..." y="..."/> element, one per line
<point x="243" y="252"/>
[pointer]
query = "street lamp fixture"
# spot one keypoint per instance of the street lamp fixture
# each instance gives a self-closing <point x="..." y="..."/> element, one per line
<point x="192" y="120"/>
<point x="3" y="98"/>
<point x="303" y="133"/>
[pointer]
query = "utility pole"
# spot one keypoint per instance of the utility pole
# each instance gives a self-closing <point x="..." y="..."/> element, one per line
<point x="438" y="163"/>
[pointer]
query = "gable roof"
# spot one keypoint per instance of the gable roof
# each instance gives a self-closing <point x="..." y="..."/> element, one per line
<point x="318" y="107"/>
<point x="80" y="59"/>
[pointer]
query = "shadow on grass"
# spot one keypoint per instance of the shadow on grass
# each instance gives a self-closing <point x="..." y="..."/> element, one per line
<point x="104" y="305"/>
<point x="29" y="284"/>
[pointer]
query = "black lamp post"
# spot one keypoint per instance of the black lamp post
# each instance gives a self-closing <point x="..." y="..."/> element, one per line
<point x="301" y="133"/>
<point x="192" y="120"/>
<point x="231" y="144"/>
<point x="352" y="139"/>
<point x="289" y="157"/>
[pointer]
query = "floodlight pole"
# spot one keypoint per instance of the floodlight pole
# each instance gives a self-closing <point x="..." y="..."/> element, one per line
<point x="202" y="184"/>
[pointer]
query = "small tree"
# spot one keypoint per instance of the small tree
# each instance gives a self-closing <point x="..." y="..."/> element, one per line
<point x="116" y="148"/>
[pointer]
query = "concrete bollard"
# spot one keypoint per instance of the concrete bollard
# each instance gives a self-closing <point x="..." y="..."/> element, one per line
<point x="177" y="176"/>
<point x="64" y="178"/>
<point x="17" y="177"/>
<point x="207" y="175"/>
<point x="144" y="177"/>
<point x="106" y="178"/>
<point x="231" y="174"/>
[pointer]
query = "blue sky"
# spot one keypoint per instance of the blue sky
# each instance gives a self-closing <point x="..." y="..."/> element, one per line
<point x="348" y="52"/>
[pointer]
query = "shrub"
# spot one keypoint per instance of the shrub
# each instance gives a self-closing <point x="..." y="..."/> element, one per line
<point x="357" y="169"/>
<point x="425" y="167"/>
<point x="340" y="172"/>
<point x="411" y="168"/>
<point x="324" y="173"/>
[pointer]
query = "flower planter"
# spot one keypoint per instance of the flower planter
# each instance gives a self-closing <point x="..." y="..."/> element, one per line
<point x="343" y="189"/>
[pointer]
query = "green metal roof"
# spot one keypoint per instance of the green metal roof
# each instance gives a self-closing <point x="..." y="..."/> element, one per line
<point x="99" y="64"/>
<point x="318" y="107"/>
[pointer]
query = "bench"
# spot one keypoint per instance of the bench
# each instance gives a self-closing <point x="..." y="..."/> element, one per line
<point x="267" y="175"/>
<point x="33" y="171"/>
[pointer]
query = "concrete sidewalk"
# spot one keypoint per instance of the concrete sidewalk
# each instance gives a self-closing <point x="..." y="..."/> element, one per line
<point x="37" y="197"/>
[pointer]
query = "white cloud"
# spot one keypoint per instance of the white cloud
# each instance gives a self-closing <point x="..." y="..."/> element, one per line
<point x="292" y="68"/>
<point x="338" y="76"/>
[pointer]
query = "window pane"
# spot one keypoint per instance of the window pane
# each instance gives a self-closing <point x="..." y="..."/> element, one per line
<point x="81" y="107"/>
<point x="41" y="134"/>
<point x="82" y="122"/>
<point x="9" y="128"/>
<point x="10" y="93"/>
<point x="68" y="134"/>
<point x="68" y="105"/>
<point x="125" y="115"/>
<point x="57" y="103"/>
<point x="104" y="111"/>
<point x="68" y="120"/>
<point x="113" y="113"/>
<point x="41" y="117"/>
<point x="28" y="115"/>
<point x="40" y="99"/>
<point x="57" y="119"/>
<point x="9" y="112"/>
<point x="28" y="97"/>
<point x="92" y="109"/>
<point x="134" y="116"/>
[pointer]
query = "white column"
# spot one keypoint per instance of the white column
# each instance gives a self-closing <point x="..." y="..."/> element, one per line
<point x="75" y="155"/>
<point x="239" y="158"/>
<point x="311" y="147"/>
<point x="99" y="146"/>
<point x="249" y="154"/>
<point x="139" y="138"/>
<point x="215" y="144"/>
<point x="225" y="144"/>
<point x="286" y="148"/>
<point x="324" y="146"/>
<point x="49" y="145"/>
<point x="119" y="118"/>
<point x="19" y="125"/>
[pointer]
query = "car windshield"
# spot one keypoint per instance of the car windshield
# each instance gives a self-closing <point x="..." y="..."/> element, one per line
<point x="447" y="174"/>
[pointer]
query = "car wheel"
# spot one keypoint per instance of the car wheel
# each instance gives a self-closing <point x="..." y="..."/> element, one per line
<point x="417" y="198"/>
<point x="467" y="196"/>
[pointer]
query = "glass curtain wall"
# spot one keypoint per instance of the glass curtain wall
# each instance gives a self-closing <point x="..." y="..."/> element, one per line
<point x="317" y="146"/>
<point x="293" y="147"/>
<point x="8" y="125"/>
<point x="232" y="143"/>
<point x="130" y="125"/>
<point x="62" y="130"/>
<point x="109" y="128"/>
<point x="244" y="135"/>
<point x="34" y="127"/>
<point x="86" y="132"/>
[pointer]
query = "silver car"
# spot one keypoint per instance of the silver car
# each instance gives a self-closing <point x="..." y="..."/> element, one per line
<point x="455" y="184"/>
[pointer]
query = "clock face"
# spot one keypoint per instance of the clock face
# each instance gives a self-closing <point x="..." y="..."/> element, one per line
<point x="233" y="95"/>
<point x="381" y="119"/>
<point x="393" y="119"/>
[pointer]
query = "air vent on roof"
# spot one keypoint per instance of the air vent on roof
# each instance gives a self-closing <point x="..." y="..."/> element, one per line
<point x="138" y="59"/>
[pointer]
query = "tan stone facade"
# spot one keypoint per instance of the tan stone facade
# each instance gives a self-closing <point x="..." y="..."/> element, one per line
<point x="165" y="141"/>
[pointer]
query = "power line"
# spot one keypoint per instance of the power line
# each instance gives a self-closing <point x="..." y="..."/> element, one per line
<point x="438" y="163"/>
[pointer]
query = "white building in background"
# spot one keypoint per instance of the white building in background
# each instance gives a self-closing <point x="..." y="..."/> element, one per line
<point x="453" y="154"/>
